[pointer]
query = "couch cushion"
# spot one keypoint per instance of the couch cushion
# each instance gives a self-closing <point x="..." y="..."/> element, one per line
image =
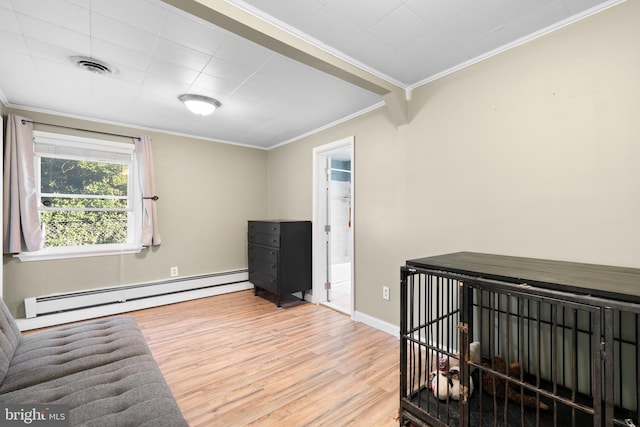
<point x="128" y="392"/>
<point x="10" y="337"/>
<point x="59" y="352"/>
<point x="102" y="369"/>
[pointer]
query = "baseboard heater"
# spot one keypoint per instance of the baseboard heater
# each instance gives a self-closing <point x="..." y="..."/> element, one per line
<point x="95" y="298"/>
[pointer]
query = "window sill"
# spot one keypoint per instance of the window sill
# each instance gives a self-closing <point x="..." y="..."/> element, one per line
<point x="57" y="253"/>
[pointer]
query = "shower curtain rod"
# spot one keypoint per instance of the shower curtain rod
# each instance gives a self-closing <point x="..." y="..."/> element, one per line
<point x="82" y="130"/>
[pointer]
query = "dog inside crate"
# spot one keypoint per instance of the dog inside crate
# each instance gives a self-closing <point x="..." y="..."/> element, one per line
<point x="533" y="360"/>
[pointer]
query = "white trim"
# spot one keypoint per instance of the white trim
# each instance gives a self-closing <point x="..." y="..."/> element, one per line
<point x="119" y="308"/>
<point x="65" y="252"/>
<point x="85" y="298"/>
<point x="330" y="125"/>
<point x="374" y="322"/>
<point x="130" y="126"/>
<point x="49" y="144"/>
<point x="408" y="89"/>
<point x="200" y="137"/>
<point x="294" y="32"/>
<point x="319" y="261"/>
<point x="250" y="9"/>
<point x="530" y="37"/>
<point x="62" y="146"/>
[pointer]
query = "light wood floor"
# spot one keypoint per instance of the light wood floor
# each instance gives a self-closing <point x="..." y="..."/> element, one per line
<point x="237" y="360"/>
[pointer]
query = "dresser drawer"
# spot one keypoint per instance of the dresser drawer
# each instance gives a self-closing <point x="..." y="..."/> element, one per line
<point x="264" y="267"/>
<point x="264" y="239"/>
<point x="264" y="227"/>
<point x="261" y="253"/>
<point x="264" y="281"/>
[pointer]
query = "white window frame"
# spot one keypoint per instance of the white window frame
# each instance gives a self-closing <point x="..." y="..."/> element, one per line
<point x="70" y="147"/>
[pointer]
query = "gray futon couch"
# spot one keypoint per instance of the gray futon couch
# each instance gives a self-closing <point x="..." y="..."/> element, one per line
<point x="101" y="369"/>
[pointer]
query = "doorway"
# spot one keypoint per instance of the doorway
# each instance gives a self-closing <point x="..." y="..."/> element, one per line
<point x="333" y="283"/>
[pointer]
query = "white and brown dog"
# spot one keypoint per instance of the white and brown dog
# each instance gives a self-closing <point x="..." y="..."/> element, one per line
<point x="445" y="381"/>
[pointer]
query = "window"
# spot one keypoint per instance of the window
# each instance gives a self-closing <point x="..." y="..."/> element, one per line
<point x="89" y="198"/>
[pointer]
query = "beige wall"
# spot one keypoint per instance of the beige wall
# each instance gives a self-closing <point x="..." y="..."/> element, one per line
<point x="531" y="153"/>
<point x="376" y="200"/>
<point x="207" y="193"/>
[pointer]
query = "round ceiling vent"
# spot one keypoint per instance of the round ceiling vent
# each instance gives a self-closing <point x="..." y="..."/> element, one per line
<point x="93" y="65"/>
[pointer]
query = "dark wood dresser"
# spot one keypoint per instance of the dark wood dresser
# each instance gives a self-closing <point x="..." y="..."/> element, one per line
<point x="280" y="256"/>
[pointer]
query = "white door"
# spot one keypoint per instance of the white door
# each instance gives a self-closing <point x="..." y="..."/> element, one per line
<point x="333" y="226"/>
<point x="327" y="226"/>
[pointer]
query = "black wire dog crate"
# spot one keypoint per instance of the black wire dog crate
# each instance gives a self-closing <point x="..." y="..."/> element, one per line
<point x="490" y="340"/>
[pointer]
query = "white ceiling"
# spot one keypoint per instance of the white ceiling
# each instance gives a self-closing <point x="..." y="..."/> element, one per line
<point x="161" y="51"/>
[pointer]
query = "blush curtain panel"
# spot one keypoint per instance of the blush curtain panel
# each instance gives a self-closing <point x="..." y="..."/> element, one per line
<point x="21" y="222"/>
<point x="22" y="230"/>
<point x="150" y="235"/>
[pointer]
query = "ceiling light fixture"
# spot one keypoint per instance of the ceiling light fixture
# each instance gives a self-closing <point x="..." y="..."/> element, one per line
<point x="199" y="104"/>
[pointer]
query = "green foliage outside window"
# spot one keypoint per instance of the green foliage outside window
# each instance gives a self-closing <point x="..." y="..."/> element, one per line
<point x="70" y="189"/>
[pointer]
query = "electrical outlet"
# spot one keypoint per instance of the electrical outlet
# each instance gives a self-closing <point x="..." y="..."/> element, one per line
<point x="385" y="292"/>
<point x="173" y="271"/>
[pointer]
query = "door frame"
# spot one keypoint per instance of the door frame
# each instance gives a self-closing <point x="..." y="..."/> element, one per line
<point x="319" y="204"/>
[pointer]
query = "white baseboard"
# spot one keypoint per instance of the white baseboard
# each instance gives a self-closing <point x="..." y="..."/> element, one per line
<point x="387" y="327"/>
<point x="47" y="320"/>
<point x="111" y="309"/>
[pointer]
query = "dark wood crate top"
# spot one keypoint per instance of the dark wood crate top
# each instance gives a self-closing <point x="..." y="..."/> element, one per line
<point x="605" y="281"/>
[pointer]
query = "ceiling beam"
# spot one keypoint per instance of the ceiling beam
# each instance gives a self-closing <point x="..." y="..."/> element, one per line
<point x="236" y="20"/>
